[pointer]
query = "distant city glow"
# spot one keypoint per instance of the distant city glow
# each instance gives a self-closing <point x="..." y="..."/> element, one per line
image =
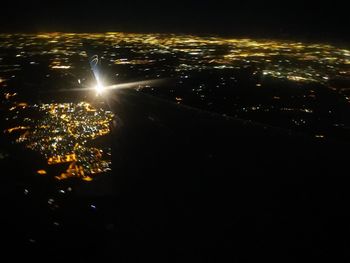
<point x="285" y="81"/>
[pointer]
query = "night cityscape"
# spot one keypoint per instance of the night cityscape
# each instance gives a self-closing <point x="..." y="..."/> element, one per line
<point x="126" y="140"/>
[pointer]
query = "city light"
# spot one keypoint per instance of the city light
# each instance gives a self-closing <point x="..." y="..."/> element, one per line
<point x="63" y="132"/>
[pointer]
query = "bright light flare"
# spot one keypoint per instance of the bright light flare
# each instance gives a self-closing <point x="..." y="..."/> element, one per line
<point x="99" y="88"/>
<point x="135" y="85"/>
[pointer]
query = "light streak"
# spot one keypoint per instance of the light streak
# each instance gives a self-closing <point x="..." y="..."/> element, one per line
<point x="128" y="85"/>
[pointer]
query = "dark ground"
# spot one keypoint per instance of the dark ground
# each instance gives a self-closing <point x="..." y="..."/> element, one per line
<point x="188" y="186"/>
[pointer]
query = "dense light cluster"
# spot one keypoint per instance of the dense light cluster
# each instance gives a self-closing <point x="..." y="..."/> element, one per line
<point x="62" y="135"/>
<point x="294" y="61"/>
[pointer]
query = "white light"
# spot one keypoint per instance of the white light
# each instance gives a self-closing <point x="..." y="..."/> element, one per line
<point x="99" y="88"/>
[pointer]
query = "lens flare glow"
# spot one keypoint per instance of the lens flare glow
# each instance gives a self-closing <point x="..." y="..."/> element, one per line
<point x="99" y="88"/>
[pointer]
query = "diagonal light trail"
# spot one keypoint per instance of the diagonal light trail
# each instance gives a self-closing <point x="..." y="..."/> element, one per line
<point x="127" y="85"/>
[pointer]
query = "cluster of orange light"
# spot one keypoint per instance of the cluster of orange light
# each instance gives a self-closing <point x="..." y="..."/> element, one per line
<point x="74" y="170"/>
<point x="18" y="128"/>
<point x="62" y="159"/>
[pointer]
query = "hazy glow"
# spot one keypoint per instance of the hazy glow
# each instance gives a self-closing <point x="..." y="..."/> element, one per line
<point x="61" y="67"/>
<point x="136" y="84"/>
<point x="99" y="88"/>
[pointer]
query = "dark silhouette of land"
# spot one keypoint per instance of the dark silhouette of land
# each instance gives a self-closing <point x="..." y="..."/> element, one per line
<point x="188" y="185"/>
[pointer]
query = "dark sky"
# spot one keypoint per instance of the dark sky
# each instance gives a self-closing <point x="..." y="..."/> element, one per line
<point x="296" y="19"/>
